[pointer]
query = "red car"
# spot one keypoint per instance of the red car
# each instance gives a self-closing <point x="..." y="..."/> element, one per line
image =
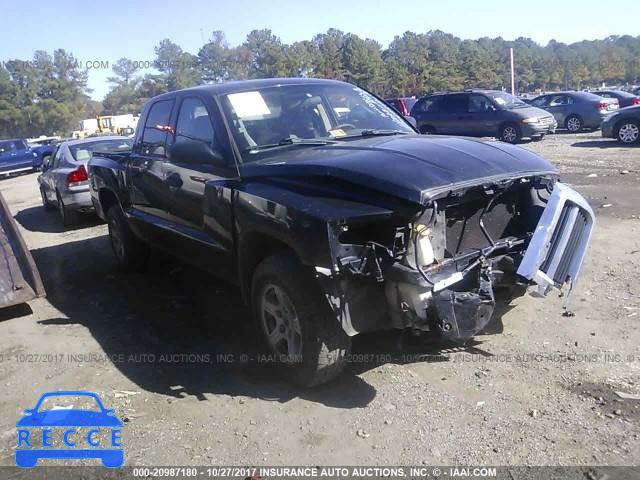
<point x="402" y="104"/>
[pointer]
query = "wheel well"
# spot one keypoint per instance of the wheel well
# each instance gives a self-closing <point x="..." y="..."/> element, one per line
<point x="504" y="124"/>
<point x="566" y="120"/>
<point x="253" y="249"/>
<point x="617" y="126"/>
<point x="107" y="199"/>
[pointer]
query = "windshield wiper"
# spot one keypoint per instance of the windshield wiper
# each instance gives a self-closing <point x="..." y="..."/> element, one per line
<point x="292" y="140"/>
<point x="376" y="133"/>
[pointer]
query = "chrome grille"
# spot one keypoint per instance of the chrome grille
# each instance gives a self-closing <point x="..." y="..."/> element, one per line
<point x="558" y="246"/>
<point x="566" y="237"/>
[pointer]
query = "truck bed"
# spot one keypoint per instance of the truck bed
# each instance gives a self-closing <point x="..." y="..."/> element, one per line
<point x="19" y="277"/>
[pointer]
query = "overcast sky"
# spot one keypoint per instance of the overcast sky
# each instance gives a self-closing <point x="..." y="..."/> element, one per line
<point x="107" y="31"/>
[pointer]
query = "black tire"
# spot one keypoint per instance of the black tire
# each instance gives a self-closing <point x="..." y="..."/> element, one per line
<point x="510" y="133"/>
<point x="45" y="203"/>
<point x="68" y="216"/>
<point x="628" y="132"/>
<point x="324" y="346"/>
<point x="427" y="130"/>
<point x="131" y="252"/>
<point x="574" y="124"/>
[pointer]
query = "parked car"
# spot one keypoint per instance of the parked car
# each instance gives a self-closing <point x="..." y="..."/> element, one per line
<point x="576" y="110"/>
<point x="625" y="99"/>
<point x="17" y="156"/>
<point x="623" y="125"/>
<point x="336" y="226"/>
<point x="636" y="91"/>
<point x="481" y="113"/>
<point x="64" y="180"/>
<point x="402" y="104"/>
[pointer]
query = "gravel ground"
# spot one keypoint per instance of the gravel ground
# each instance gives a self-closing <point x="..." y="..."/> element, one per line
<point x="541" y="392"/>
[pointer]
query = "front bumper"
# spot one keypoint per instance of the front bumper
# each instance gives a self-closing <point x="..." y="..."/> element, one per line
<point x="537" y="129"/>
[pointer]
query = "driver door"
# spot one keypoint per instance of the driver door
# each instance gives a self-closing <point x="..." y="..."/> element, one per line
<point x="198" y="210"/>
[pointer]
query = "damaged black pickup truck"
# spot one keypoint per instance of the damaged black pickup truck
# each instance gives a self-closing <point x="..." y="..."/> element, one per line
<point x="335" y="217"/>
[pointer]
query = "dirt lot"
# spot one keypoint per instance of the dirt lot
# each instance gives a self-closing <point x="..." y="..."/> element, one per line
<point x="539" y="393"/>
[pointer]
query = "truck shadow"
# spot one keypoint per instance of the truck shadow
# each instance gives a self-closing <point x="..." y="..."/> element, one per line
<point x="178" y="331"/>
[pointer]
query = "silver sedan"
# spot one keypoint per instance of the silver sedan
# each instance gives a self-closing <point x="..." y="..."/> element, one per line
<point x="64" y="181"/>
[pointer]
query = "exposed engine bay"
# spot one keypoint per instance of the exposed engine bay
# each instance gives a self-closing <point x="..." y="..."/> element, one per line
<point x="446" y="267"/>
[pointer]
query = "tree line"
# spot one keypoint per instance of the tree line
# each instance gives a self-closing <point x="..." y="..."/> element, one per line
<point x="49" y="94"/>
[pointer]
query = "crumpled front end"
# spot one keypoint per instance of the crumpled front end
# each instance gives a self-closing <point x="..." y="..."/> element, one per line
<point x="447" y="266"/>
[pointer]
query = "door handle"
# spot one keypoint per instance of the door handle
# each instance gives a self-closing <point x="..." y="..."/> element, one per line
<point x="174" y="180"/>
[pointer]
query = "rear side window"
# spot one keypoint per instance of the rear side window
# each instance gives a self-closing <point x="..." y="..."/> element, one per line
<point x="57" y="159"/>
<point x="194" y="122"/>
<point x="20" y="145"/>
<point x="560" y="100"/>
<point x="154" y="137"/>
<point x="454" y="104"/>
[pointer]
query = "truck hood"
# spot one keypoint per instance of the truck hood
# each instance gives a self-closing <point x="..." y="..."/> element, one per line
<point x="411" y="167"/>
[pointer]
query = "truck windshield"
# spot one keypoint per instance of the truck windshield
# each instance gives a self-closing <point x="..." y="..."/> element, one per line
<point x="294" y="116"/>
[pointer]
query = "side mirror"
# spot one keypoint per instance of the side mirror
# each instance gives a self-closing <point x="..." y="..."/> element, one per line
<point x="45" y="162"/>
<point x="194" y="151"/>
<point x="412" y="121"/>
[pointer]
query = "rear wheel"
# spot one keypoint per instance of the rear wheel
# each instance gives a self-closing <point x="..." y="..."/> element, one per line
<point x="296" y="321"/>
<point x="68" y="216"/>
<point x="131" y="252"/>
<point x="574" y="123"/>
<point x="45" y="203"/>
<point x="510" y="133"/>
<point x="628" y="132"/>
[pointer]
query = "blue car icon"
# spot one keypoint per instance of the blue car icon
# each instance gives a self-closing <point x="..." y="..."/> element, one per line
<point x="72" y="418"/>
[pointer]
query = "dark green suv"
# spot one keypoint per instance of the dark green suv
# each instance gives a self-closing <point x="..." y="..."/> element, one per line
<point x="481" y="113"/>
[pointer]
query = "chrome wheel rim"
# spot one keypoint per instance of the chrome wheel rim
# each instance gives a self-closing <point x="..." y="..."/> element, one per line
<point x="116" y="240"/>
<point x="628" y="133"/>
<point x="509" y="134"/>
<point x="573" y="124"/>
<point x="280" y="323"/>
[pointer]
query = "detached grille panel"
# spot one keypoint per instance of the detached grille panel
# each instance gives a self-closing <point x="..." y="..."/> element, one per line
<point x="559" y="243"/>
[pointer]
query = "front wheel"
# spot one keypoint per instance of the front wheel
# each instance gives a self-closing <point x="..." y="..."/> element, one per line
<point x="296" y="321"/>
<point x="510" y="133"/>
<point x="131" y="252"/>
<point x="628" y="132"/>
